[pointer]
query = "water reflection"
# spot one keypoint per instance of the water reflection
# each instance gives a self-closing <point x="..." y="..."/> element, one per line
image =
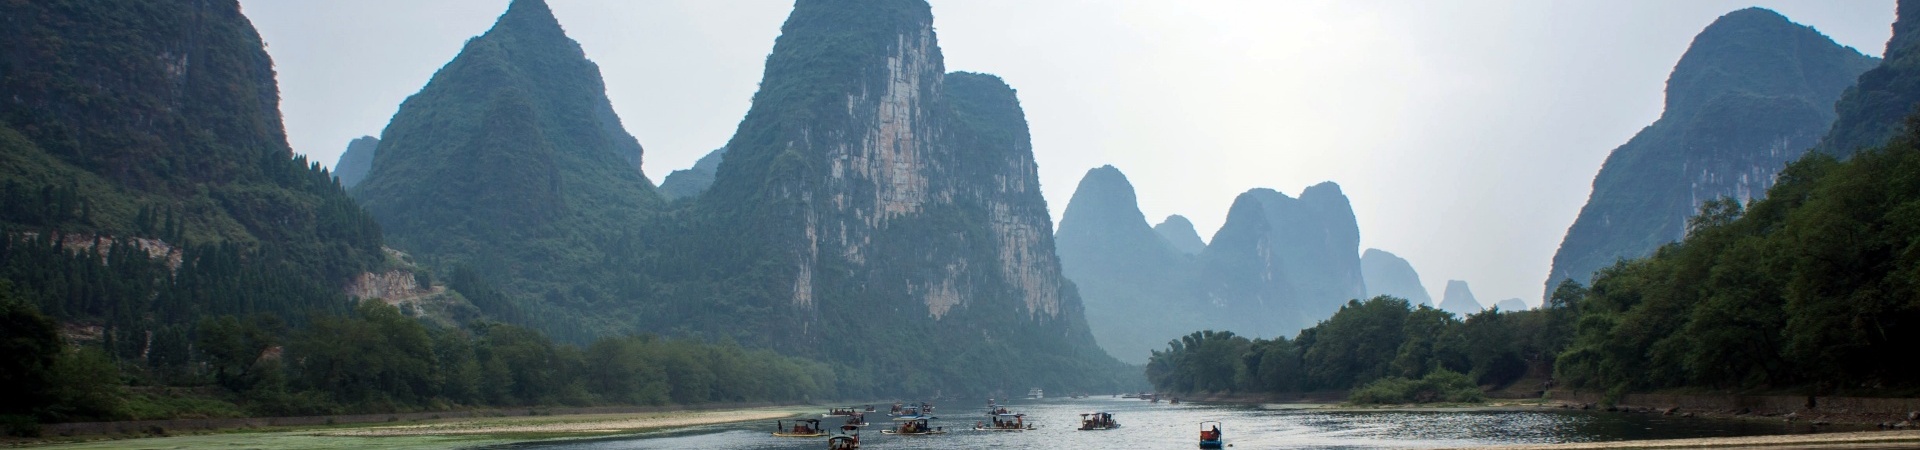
<point x="1148" y="425"/>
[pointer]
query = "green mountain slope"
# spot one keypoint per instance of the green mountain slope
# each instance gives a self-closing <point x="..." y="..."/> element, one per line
<point x="1752" y="93"/>
<point x="510" y="161"/>
<point x="1872" y="109"/>
<point x="690" y="182"/>
<point x="182" y="143"/>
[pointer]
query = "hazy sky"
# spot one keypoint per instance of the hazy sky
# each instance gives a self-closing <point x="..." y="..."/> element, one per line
<point x="1467" y="133"/>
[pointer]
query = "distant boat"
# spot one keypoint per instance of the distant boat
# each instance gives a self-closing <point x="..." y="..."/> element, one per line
<point x="1036" y="394"/>
<point x="802" y="428"/>
<point x="1004" y="422"/>
<point x="1097" y="421"/>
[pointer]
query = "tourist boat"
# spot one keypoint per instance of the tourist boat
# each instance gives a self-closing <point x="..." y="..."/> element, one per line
<point x="1210" y="435"/>
<point x="1097" y="421"/>
<point x="839" y="412"/>
<point x="902" y="414"/>
<point x="1004" y="422"/>
<point x="869" y="408"/>
<point x="857" y="420"/>
<point x="847" y="439"/>
<point x="1036" y="394"/>
<point x="801" y="428"/>
<point x="915" y="427"/>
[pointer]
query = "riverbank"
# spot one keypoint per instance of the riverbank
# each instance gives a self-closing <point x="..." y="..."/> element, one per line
<point x="1856" y="440"/>
<point x="435" y="433"/>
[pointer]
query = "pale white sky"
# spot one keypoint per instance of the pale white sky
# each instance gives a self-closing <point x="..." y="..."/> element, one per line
<point x="1467" y="133"/>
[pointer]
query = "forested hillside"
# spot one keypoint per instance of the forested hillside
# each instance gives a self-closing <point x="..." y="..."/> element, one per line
<point x="1753" y="92"/>
<point x="510" y="162"/>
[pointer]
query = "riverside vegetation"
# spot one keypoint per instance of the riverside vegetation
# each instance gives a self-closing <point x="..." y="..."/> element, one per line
<point x="1809" y="290"/>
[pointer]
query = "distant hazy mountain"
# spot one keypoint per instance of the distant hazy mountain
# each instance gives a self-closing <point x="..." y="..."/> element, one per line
<point x="1512" y="304"/>
<point x="1753" y="92"/>
<point x="1280" y="264"/>
<point x="1387" y="274"/>
<point x="1179" y="233"/>
<point x="1872" y="109"/>
<point x="1128" y="275"/>
<point x="690" y="182"/>
<point x="1459" y="300"/>
<point x="355" y="162"/>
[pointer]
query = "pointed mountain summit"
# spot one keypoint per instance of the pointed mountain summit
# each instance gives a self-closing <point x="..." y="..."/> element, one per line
<point x="871" y="203"/>
<point x="356" y="161"/>
<point x="1128" y="275"/>
<point x="1179" y="233"/>
<point x="1387" y="274"/>
<point x="1752" y="93"/>
<point x="511" y="161"/>
<point x="1279" y="264"/>
<point x="1458" y="299"/>
<point x="1873" y="109"/>
<point x="690" y="182"/>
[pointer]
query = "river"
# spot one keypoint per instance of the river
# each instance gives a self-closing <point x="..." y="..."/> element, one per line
<point x="1147" y="425"/>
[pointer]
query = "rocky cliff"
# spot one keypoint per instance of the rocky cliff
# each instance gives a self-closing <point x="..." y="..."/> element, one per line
<point x="1459" y="300"/>
<point x="1872" y="109"/>
<point x="1388" y="274"/>
<point x="1131" y="279"/>
<point x="690" y="182"/>
<point x="1751" y="93"/>
<point x="871" y="203"/>
<point x="356" y="161"/>
<point x="1179" y="233"/>
<point x="1280" y="264"/>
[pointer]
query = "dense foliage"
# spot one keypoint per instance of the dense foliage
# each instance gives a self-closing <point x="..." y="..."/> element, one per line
<point x="1870" y="111"/>
<point x="1813" y="287"/>
<point x="1382" y="346"/>
<point x="374" y="359"/>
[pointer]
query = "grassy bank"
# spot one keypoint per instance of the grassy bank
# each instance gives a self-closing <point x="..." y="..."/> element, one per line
<point x="435" y="434"/>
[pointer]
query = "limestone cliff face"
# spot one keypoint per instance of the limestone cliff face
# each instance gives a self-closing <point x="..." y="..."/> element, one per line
<point x="887" y="148"/>
<point x="869" y="190"/>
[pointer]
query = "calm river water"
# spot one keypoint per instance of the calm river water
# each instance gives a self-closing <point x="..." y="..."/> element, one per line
<point x="1146" y="425"/>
